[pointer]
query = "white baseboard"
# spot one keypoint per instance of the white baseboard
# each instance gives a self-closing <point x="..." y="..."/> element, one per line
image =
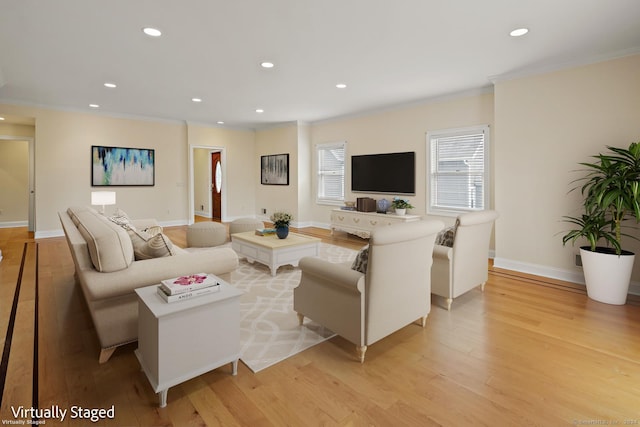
<point x="551" y="272"/>
<point x="203" y="214"/>
<point x="13" y="224"/>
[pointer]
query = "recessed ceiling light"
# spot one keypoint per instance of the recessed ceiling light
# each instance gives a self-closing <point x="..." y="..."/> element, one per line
<point x="266" y="64"/>
<point x="94" y="106"/>
<point x="110" y="85"/>
<point x="220" y="122"/>
<point x="153" y="32"/>
<point x="196" y="99"/>
<point x="341" y="85"/>
<point x="259" y="110"/>
<point x="519" y="32"/>
<point x="1" y="118"/>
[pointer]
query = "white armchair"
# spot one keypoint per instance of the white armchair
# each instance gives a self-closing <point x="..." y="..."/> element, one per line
<point x="394" y="292"/>
<point x="462" y="267"/>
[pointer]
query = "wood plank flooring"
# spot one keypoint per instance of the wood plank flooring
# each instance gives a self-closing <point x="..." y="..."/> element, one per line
<point x="526" y="352"/>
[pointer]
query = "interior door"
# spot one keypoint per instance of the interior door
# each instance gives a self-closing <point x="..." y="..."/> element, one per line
<point x="216" y="187"/>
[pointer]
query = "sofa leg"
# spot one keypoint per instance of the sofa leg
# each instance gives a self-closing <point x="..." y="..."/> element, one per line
<point x="361" y="349"/>
<point x="449" y="301"/>
<point x="105" y="354"/>
<point x="300" y="318"/>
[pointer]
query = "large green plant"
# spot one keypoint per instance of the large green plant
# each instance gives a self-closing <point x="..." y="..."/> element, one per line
<point x="611" y="191"/>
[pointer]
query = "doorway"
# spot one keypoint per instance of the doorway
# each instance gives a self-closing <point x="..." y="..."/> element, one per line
<point x="30" y="187"/>
<point x="216" y="186"/>
<point x="205" y="174"/>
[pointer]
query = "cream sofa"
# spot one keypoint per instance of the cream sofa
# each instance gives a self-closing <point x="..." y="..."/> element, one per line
<point x="391" y="290"/>
<point x="103" y="254"/>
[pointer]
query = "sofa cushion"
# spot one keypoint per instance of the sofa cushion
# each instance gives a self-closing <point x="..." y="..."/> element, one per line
<point x="361" y="261"/>
<point x="109" y="245"/>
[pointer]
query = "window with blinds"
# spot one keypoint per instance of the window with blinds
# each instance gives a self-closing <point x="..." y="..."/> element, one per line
<point x="458" y="169"/>
<point x="331" y="172"/>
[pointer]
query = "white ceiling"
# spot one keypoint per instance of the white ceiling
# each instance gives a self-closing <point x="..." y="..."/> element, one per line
<point x="60" y="53"/>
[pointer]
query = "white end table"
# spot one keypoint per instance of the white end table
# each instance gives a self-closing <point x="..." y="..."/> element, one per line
<point x="180" y="340"/>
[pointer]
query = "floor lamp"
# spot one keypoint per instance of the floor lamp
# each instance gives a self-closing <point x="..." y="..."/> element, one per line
<point x="103" y="198"/>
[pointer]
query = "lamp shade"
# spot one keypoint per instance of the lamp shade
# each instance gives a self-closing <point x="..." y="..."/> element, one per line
<point x="103" y="198"/>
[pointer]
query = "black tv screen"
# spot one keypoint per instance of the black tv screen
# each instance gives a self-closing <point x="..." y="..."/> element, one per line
<point x="393" y="173"/>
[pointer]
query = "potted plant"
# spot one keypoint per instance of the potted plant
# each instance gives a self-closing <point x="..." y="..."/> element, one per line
<point x="611" y="191"/>
<point x="281" y="221"/>
<point x="401" y="205"/>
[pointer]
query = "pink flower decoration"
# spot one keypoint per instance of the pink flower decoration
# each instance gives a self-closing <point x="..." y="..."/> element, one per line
<point x="189" y="280"/>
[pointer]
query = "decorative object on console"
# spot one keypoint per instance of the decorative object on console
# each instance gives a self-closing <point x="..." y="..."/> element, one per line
<point x="365" y="204"/>
<point x="401" y="205"/>
<point x="103" y="198"/>
<point x="383" y="205"/>
<point x="119" y="166"/>
<point x="274" y="169"/>
<point x="281" y="221"/>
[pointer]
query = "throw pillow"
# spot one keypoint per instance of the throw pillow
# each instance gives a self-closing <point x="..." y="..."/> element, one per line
<point x="152" y="231"/>
<point x="446" y="237"/>
<point x="156" y="247"/>
<point x="122" y="219"/>
<point x="361" y="261"/>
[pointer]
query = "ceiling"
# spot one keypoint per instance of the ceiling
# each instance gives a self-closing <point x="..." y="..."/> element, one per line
<point x="60" y="53"/>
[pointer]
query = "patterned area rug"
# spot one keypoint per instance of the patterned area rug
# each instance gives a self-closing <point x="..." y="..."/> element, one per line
<point x="269" y="330"/>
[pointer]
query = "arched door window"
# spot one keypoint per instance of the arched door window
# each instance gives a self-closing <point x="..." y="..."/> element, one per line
<point x="218" y="176"/>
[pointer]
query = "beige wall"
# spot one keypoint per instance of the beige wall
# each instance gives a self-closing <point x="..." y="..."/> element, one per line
<point x="279" y="140"/>
<point x="403" y="129"/>
<point x="545" y="125"/>
<point x="239" y="174"/>
<point x="201" y="181"/>
<point x="14" y="182"/>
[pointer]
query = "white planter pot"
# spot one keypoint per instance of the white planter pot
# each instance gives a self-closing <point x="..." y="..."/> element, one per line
<point x="401" y="211"/>
<point x="607" y="275"/>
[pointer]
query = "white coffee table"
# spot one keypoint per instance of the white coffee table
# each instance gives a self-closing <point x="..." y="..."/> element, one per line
<point x="272" y="251"/>
<point x="180" y="340"/>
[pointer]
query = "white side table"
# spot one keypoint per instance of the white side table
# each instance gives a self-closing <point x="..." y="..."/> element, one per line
<point x="180" y="340"/>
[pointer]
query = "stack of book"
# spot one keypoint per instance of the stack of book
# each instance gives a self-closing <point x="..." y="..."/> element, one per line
<point x="265" y="231"/>
<point x="186" y="287"/>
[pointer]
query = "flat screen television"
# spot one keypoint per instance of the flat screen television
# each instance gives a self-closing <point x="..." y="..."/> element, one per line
<point x="391" y="173"/>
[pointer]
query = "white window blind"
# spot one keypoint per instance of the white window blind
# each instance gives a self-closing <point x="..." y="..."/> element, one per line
<point x="458" y="169"/>
<point x="330" y="172"/>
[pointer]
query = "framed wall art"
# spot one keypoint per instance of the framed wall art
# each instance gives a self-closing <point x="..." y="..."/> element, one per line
<point x="121" y="166"/>
<point x="274" y="169"/>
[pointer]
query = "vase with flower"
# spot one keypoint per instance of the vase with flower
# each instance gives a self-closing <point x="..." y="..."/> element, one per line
<point x="281" y="221"/>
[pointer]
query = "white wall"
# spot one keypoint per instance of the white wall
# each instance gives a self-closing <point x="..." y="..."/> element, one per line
<point x="545" y="126"/>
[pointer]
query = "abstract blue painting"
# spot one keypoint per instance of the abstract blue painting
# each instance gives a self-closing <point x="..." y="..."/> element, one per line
<point x="120" y="166"/>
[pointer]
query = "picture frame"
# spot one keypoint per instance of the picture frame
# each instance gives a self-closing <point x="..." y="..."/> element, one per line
<point x="122" y="166"/>
<point x="274" y="169"/>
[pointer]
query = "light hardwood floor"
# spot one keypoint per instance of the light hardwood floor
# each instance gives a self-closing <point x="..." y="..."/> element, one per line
<point x="526" y="352"/>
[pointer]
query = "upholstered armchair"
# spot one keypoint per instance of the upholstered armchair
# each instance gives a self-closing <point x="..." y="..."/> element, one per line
<point x="392" y="291"/>
<point x="464" y="265"/>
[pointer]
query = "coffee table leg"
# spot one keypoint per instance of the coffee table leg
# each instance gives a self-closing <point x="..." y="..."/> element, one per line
<point x="163" y="397"/>
<point x="234" y="367"/>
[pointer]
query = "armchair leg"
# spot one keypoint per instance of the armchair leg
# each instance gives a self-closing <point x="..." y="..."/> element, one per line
<point x="423" y="321"/>
<point x="361" y="349"/>
<point x="105" y="354"/>
<point x="300" y="318"/>
<point x="449" y="301"/>
<point x="482" y="286"/>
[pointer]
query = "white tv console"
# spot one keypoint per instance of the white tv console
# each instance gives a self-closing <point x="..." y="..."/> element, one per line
<point x="361" y="223"/>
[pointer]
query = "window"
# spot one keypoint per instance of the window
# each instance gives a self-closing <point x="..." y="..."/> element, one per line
<point x="330" y="172"/>
<point x="458" y="170"/>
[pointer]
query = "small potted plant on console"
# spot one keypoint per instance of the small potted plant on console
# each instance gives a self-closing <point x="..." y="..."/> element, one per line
<point x="401" y="205"/>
